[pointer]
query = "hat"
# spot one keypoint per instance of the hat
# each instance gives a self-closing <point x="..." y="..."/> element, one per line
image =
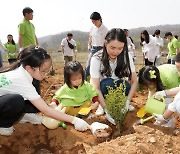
<point x="95" y="16"/>
<point x="167" y="34"/>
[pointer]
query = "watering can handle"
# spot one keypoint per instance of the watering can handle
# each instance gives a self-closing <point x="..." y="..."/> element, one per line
<point x="159" y="98"/>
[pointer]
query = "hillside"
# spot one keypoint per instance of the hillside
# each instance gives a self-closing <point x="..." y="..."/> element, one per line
<point x="52" y="42"/>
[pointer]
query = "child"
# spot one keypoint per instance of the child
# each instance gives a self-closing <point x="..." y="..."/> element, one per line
<point x="159" y="78"/>
<point x="12" y="49"/>
<point x="18" y="97"/>
<point x="76" y="93"/>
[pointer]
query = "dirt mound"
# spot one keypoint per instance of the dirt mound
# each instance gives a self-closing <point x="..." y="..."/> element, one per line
<point x="37" y="139"/>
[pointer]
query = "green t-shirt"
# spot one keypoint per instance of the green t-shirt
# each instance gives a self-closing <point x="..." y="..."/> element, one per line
<point x="169" y="76"/>
<point x="75" y="97"/>
<point x="27" y="30"/>
<point x="11" y="50"/>
<point x="172" y="45"/>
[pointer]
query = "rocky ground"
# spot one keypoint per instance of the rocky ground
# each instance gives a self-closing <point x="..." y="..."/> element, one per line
<point x="134" y="139"/>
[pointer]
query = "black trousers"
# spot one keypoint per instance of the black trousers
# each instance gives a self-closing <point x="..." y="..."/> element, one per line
<point x="12" y="107"/>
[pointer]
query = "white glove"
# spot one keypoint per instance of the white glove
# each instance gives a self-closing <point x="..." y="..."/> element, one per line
<point x="159" y="119"/>
<point x="160" y="93"/>
<point x="80" y="124"/>
<point x="109" y="118"/>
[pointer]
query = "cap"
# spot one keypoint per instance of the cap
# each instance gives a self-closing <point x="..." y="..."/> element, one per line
<point x="95" y="16"/>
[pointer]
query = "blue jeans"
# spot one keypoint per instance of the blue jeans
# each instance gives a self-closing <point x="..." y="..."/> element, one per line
<point x="110" y="82"/>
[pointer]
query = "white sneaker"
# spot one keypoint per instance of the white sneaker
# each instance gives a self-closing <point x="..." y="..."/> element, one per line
<point x="6" y="131"/>
<point x="99" y="111"/>
<point x="131" y="108"/>
<point x="32" y="118"/>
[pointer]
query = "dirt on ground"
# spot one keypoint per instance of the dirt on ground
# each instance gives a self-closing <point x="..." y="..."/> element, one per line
<point x="134" y="139"/>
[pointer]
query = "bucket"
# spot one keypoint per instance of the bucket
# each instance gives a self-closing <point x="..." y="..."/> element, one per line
<point x="155" y="105"/>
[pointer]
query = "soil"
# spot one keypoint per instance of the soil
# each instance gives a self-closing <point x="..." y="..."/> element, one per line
<point x="134" y="139"/>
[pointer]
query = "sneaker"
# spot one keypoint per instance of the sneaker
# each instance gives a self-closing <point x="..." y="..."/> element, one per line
<point x="32" y="118"/>
<point x="6" y="131"/>
<point x="131" y="108"/>
<point x="99" y="111"/>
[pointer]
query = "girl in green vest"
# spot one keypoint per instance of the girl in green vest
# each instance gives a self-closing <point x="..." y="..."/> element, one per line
<point x="12" y="48"/>
<point x="77" y="95"/>
<point x="159" y="78"/>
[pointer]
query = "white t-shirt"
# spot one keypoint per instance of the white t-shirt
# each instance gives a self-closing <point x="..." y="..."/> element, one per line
<point x="150" y="49"/>
<point x="67" y="50"/>
<point x="172" y="106"/>
<point x="131" y="46"/>
<point x="98" y="35"/>
<point x="18" y="81"/>
<point x="96" y="66"/>
<point x="159" y="42"/>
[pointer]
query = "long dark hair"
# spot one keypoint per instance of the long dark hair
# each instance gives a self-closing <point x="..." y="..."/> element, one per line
<point x="146" y="34"/>
<point x="123" y="66"/>
<point x="12" y="40"/>
<point x="71" y="68"/>
<point x="145" y="77"/>
<point x="34" y="56"/>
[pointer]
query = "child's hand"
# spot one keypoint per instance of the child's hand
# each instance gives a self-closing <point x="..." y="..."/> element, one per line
<point x="95" y="105"/>
<point x="53" y="104"/>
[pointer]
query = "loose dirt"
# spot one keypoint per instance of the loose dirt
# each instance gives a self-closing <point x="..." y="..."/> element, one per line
<point x="134" y="139"/>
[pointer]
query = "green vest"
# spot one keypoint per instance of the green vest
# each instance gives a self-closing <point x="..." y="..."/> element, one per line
<point x="75" y="97"/>
<point x="169" y="76"/>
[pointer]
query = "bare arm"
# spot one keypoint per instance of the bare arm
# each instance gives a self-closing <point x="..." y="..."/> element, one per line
<point x="167" y="114"/>
<point x="90" y="43"/>
<point x="62" y="48"/>
<point x="133" y="83"/>
<point x="96" y="84"/>
<point x="37" y="43"/>
<point x="20" y="41"/>
<point x="172" y="92"/>
<point x="48" y="111"/>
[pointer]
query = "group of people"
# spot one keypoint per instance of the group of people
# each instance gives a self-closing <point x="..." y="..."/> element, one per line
<point x="109" y="61"/>
<point x="152" y="47"/>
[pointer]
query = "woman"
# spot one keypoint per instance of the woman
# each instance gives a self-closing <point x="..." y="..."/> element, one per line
<point x="18" y="98"/>
<point x="12" y="48"/>
<point x="149" y="47"/>
<point x="113" y="63"/>
<point x="96" y="38"/>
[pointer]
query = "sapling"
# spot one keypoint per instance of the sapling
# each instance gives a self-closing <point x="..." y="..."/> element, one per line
<point x="115" y="103"/>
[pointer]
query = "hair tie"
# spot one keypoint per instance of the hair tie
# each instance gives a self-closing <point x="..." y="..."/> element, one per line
<point x="152" y="75"/>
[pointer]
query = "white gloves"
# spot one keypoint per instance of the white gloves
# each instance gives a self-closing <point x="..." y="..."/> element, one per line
<point x="159" y="119"/>
<point x="99" y="111"/>
<point x="109" y="118"/>
<point x="80" y="124"/>
<point x="128" y="106"/>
